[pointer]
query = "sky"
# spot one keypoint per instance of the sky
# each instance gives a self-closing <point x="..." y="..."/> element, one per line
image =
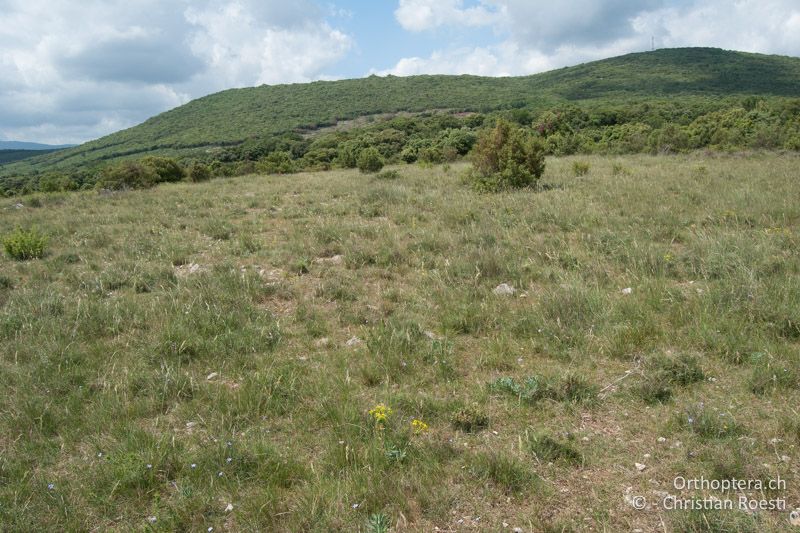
<point x="73" y="71"/>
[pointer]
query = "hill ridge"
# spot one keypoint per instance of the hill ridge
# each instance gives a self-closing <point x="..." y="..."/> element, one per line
<point x="232" y="116"/>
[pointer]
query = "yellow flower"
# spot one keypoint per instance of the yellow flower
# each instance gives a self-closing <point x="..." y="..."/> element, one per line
<point x="380" y="413"/>
<point x="419" y="426"/>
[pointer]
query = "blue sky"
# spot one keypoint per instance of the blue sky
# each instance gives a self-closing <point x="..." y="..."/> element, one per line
<point x="74" y="71"/>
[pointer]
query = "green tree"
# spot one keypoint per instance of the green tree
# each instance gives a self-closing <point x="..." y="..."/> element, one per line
<point x="507" y="157"/>
<point x="370" y="160"/>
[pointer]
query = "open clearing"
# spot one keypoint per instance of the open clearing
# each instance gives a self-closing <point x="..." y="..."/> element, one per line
<point x="193" y="346"/>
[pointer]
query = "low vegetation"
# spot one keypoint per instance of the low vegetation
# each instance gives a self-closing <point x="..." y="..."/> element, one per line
<point x="22" y="245"/>
<point x="337" y="351"/>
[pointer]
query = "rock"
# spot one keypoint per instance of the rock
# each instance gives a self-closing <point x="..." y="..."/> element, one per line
<point x="212" y="376"/>
<point x="353" y="341"/>
<point x="627" y="290"/>
<point x="785" y="458"/>
<point x="229" y="508"/>
<point x="333" y="260"/>
<point x="640" y="467"/>
<point x="662" y="440"/>
<point x="322" y="343"/>
<point x="433" y="336"/>
<point x="188" y="269"/>
<point x="794" y="518"/>
<point x="18" y="206"/>
<point x="504" y="289"/>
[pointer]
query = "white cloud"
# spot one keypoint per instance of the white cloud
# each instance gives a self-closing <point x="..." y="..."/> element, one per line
<point x="243" y="50"/>
<point x="420" y="15"/>
<point x="541" y="35"/>
<point x="75" y="71"/>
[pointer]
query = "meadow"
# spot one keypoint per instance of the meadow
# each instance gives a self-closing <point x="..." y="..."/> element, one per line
<point x="336" y="351"/>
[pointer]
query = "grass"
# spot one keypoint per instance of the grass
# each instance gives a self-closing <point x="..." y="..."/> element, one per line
<point x="180" y="349"/>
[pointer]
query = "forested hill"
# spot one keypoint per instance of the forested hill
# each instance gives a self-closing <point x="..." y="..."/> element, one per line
<point x="230" y="117"/>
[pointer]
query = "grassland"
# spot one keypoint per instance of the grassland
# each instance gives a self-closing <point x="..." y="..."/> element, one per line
<point x="188" y="347"/>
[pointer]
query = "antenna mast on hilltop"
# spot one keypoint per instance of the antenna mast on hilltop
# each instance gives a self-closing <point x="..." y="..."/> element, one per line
<point x="652" y="43"/>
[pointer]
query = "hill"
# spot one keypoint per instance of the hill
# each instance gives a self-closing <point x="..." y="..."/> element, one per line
<point x="229" y="118"/>
<point x="21" y="145"/>
<point x="12" y="155"/>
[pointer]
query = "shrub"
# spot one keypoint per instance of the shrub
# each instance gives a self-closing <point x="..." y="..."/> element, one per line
<point x="167" y="169"/>
<point x="57" y="183"/>
<point x="506" y="157"/>
<point x="277" y="163"/>
<point x="199" y="172"/>
<point x="370" y="160"/>
<point x="128" y="175"/>
<point x="580" y="168"/>
<point x="23" y="245"/>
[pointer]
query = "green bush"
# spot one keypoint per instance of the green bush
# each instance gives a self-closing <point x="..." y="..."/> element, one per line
<point x="22" y="245"/>
<point x="580" y="168"/>
<point x="57" y="183"/>
<point x="277" y="163"/>
<point x="128" y="175"/>
<point x="167" y="169"/>
<point x="199" y="172"/>
<point x="370" y="160"/>
<point x="506" y="157"/>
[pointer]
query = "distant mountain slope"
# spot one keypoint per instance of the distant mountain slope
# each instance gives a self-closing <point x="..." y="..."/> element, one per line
<point x="21" y="145"/>
<point x="11" y="156"/>
<point x="229" y="117"/>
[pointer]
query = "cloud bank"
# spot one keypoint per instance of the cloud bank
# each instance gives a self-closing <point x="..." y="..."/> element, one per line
<point x="72" y="71"/>
<point x="77" y="70"/>
<point x="539" y="35"/>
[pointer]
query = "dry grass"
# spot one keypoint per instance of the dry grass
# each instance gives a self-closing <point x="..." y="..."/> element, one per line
<point x="537" y="403"/>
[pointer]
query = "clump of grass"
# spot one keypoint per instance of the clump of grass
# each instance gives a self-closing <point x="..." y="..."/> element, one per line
<point x="662" y="373"/>
<point x="506" y="472"/>
<point x="571" y="389"/>
<point x="219" y="230"/>
<point x="707" y="425"/>
<point x="6" y="282"/>
<point x="470" y="419"/>
<point x="23" y="245"/>
<point x="550" y="450"/>
<point x="791" y="429"/>
<point x="767" y="378"/>
<point x="618" y="169"/>
<point x="580" y="168"/>
<point x="300" y="266"/>
<point x="387" y="175"/>
<point x="716" y="522"/>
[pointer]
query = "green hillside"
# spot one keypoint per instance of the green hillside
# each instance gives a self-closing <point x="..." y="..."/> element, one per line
<point x="230" y="117"/>
<point x="12" y="155"/>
